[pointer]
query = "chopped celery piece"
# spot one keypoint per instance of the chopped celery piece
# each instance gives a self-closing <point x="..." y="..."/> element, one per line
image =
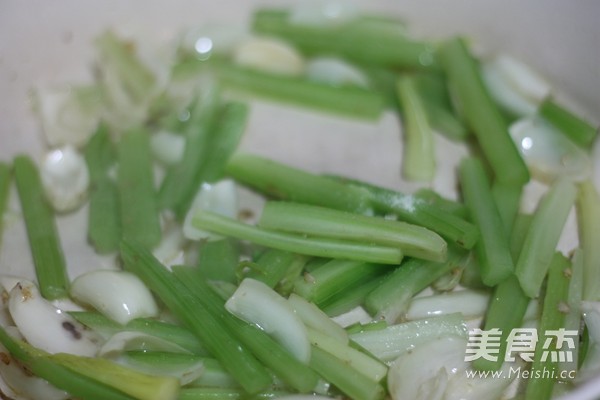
<point x="353" y="296"/>
<point x="542" y="237"/>
<point x="44" y="242"/>
<point x="588" y="221"/>
<point x="219" y="259"/>
<point x="574" y="312"/>
<point x="291" y="184"/>
<point x="5" y="177"/>
<point x="352" y="101"/>
<point x="481" y="114"/>
<point x="571" y="125"/>
<point x="454" y="207"/>
<point x="508" y="201"/>
<point x="350" y="40"/>
<point x="492" y="249"/>
<point x="137" y="197"/>
<point x="418" y="160"/>
<point x="198" y="393"/>
<point x="189" y="308"/>
<point x="274" y="265"/>
<point x="104" y="225"/>
<point x="295" y="243"/>
<point x="413" y="240"/>
<point x="552" y="319"/>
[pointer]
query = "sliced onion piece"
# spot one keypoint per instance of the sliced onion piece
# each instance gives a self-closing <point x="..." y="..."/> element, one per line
<point x="336" y="72"/>
<point x="65" y="178"/>
<point x="47" y="327"/>
<point x="220" y="198"/>
<point x="547" y="152"/>
<point x="269" y="55"/>
<point x="119" y="295"/>
<point x="167" y="147"/>
<point x="258" y="304"/>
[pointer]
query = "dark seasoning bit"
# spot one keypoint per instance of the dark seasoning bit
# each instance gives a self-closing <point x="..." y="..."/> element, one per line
<point x="72" y="329"/>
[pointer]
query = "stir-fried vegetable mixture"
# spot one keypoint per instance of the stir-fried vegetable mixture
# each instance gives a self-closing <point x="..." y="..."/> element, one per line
<point x="333" y="287"/>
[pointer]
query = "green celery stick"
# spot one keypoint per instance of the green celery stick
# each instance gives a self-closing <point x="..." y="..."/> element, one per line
<point x="267" y="350"/>
<point x="287" y="183"/>
<point x="354" y="40"/>
<point x="552" y="319"/>
<point x="571" y="125"/>
<point x="573" y="315"/>
<point x="44" y="242"/>
<point x="508" y="201"/>
<point x="351" y="101"/>
<point x="274" y="265"/>
<point x="137" y="197"/>
<point x="347" y="379"/>
<point x="325" y="282"/>
<point x="313" y="221"/>
<point x="5" y="177"/>
<point x="219" y="259"/>
<point x="218" y="339"/>
<point x="212" y="393"/>
<point x="542" y="237"/>
<point x="104" y="225"/>
<point x="454" y="207"/>
<point x="318" y="247"/>
<point x="492" y="249"/>
<point x="481" y="114"/>
<point x="588" y="221"/>
<point x="353" y="296"/>
<point x="418" y="160"/>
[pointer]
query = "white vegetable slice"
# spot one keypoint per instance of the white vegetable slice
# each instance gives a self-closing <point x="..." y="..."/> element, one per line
<point x="220" y="198"/>
<point x="269" y="55"/>
<point x="313" y="317"/>
<point x="65" y="178"/>
<point x="336" y="72"/>
<point x="47" y="327"/>
<point x="256" y="303"/>
<point x="591" y="364"/>
<point x="126" y="340"/>
<point x="468" y="302"/>
<point x="469" y="385"/>
<point x="547" y="152"/>
<point x="423" y="373"/>
<point x="119" y="295"/>
<point x="167" y="147"/>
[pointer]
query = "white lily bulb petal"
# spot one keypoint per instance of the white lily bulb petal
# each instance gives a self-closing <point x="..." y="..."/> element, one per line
<point x="170" y="250"/>
<point x="522" y="77"/>
<point x="547" y="152"/>
<point x="129" y="340"/>
<point x="258" y="304"/>
<point x="506" y="95"/>
<point x="464" y="386"/>
<point x="313" y="317"/>
<point x="47" y="327"/>
<point x="65" y="178"/>
<point x="167" y="147"/>
<point x="220" y="198"/>
<point x="336" y="72"/>
<point x="269" y="55"/>
<point x="423" y="373"/>
<point x="119" y="295"/>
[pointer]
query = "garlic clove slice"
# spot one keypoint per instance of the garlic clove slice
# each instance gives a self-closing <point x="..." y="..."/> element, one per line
<point x="119" y="295"/>
<point x="47" y="327"/>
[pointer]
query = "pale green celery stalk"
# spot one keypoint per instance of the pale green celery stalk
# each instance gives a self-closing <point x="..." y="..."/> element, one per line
<point x="543" y="235"/>
<point x="313" y="317"/>
<point x="313" y="221"/>
<point x="295" y="243"/>
<point x="222" y="143"/>
<point x="418" y="160"/>
<point x="181" y="177"/>
<point x="347" y="379"/>
<point x="5" y="177"/>
<point x="169" y="332"/>
<point x="471" y="274"/>
<point x="518" y="233"/>
<point x="392" y="341"/>
<point x="588" y="221"/>
<point x="219" y="259"/>
<point x="445" y="122"/>
<point x="284" y="182"/>
<point x="571" y="125"/>
<point x="196" y="393"/>
<point x="508" y="201"/>
<point x="118" y="56"/>
<point x="492" y="249"/>
<point x="135" y="183"/>
<point x="353" y="296"/>
<point x="573" y="316"/>
<point x="418" y="211"/>
<point x="84" y="381"/>
<point x="324" y="283"/>
<point x="44" y="241"/>
<point x="453" y="207"/>
<point x="391" y="299"/>
<point x="361" y="362"/>
<point x="104" y="225"/>
<point x="190" y="309"/>
<point x="350" y="101"/>
<point x="352" y="40"/>
<point x="273" y="265"/>
<point x="552" y="319"/>
<point x="481" y="113"/>
<point x="274" y="356"/>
